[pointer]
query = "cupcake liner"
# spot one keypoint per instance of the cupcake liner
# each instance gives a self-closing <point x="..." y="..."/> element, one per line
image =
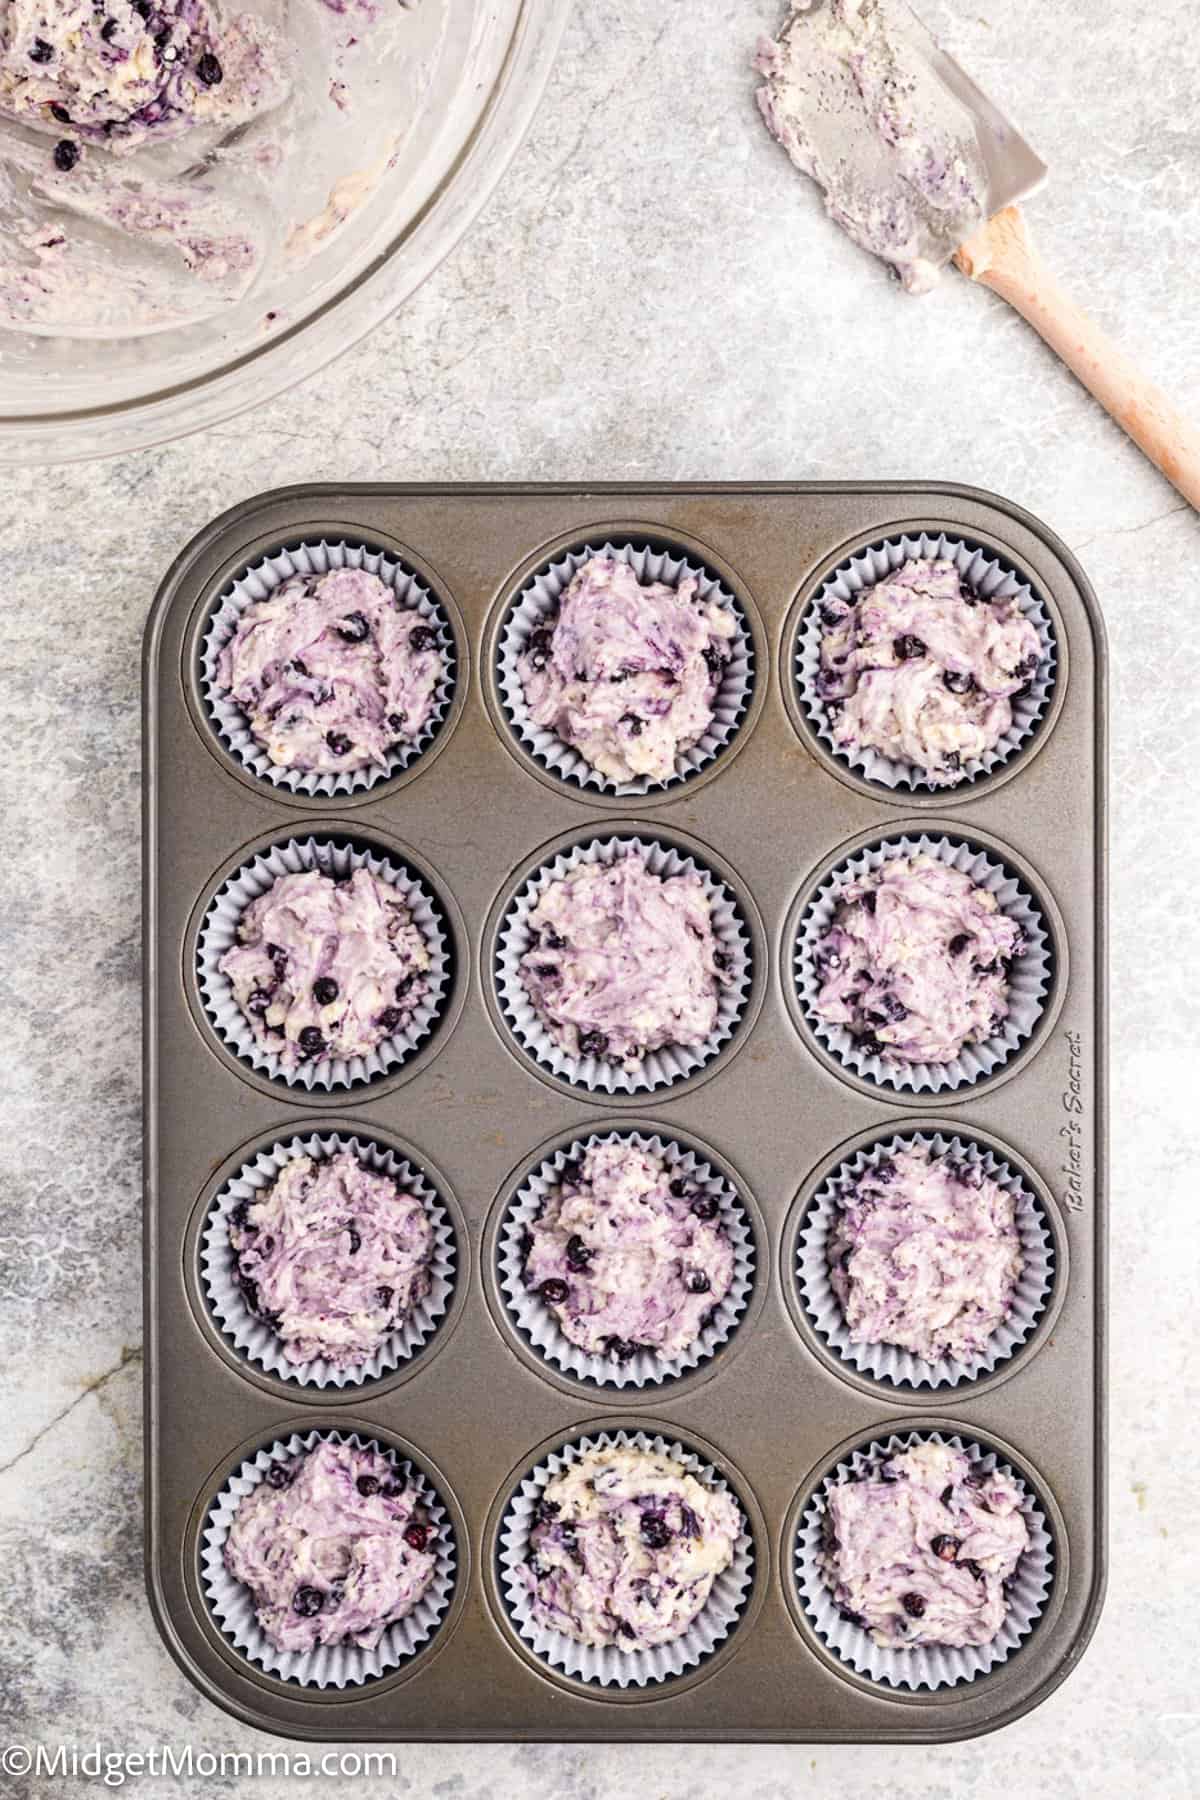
<point x="539" y="600"/>
<point x="538" y="1325"/>
<point x="219" y="930"/>
<point x="610" y="1667"/>
<point x="933" y="1666"/>
<point x="228" y="720"/>
<point x="888" y="1362"/>
<point x="674" y="1062"/>
<point x="1029" y="983"/>
<point x="249" y="1335"/>
<point x="990" y="577"/>
<point x="329" y="1665"/>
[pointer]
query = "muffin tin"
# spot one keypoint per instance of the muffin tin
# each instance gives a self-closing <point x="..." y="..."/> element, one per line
<point x="773" y="1408"/>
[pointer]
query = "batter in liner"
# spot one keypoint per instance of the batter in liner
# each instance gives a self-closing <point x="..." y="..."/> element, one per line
<point x="920" y="1549"/>
<point x="627" y="1255"/>
<point x="625" y="1548"/>
<point x="333" y="1545"/>
<point x="333" y="1255"/>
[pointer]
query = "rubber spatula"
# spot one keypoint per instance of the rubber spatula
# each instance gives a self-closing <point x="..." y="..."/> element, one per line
<point x="1002" y="257"/>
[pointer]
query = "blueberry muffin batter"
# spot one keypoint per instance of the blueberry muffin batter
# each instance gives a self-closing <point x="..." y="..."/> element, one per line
<point x="628" y="671"/>
<point x="332" y="671"/>
<point x="126" y="72"/>
<point x="924" y="670"/>
<point x="915" y="964"/>
<point x="627" y="1255"/>
<point x="921" y="1548"/>
<point x="925" y="1254"/>
<point x="624" y="961"/>
<point x="334" y="1546"/>
<point x="625" y="1548"/>
<point x="325" y="967"/>
<point x="333" y="1256"/>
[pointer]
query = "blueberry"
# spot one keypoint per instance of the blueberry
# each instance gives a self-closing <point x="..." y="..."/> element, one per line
<point x="108" y="30"/>
<point x="339" y="743"/>
<point x="952" y="760"/>
<point x="389" y="1018"/>
<point x="554" y="1291"/>
<point x="621" y="1349"/>
<point x="705" y="1208"/>
<point x="240" y="1216"/>
<point x="893" y="1009"/>
<point x="545" y="1511"/>
<point x="552" y="941"/>
<point x="325" y="991"/>
<point x="913" y="1605"/>
<point x="404" y="985"/>
<point x="947" y="1494"/>
<point x="396" y="720"/>
<point x="869" y="1044"/>
<point x="884" y="1170"/>
<point x="656" y="1533"/>
<point x="42" y="52"/>
<point x="626" y="1629"/>
<point x="908" y="647"/>
<point x="258" y="1000"/>
<point x="538" y="646"/>
<point x="633" y="724"/>
<point x="833" y="616"/>
<point x="279" y="958"/>
<point x="945" y="1546"/>
<point x="61" y="114"/>
<point x="714" y="661"/>
<point x="354" y="628"/>
<point x="422" y="637"/>
<point x="278" y="1475"/>
<point x="312" y="1042"/>
<point x="66" y="155"/>
<point x="680" y="1188"/>
<point x="367" y="1485"/>
<point x="698" y="1282"/>
<point x="355" y="1240"/>
<point x="958" y="944"/>
<point x="957" y="682"/>
<point x="308" y="1602"/>
<point x="851" y="1618"/>
<point x="572" y="1174"/>
<point x="547" y="972"/>
<point x="417" y="1536"/>
<point x="834" y="710"/>
<point x="578" y="1255"/>
<point x="970" y="596"/>
<point x="209" y="69"/>
<point x="301" y="668"/>
<point x="867" y="900"/>
<point x="592" y="1043"/>
<point x="385" y="1296"/>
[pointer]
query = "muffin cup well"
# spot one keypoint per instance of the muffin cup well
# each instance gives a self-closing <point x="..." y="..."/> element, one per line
<point x="1029" y="982"/>
<point x="539" y="600"/>
<point x="218" y="932"/>
<point x="329" y="1665"/>
<point x="932" y="1666"/>
<point x="608" y="1666"/>
<point x="660" y="1068"/>
<point x="255" y="1340"/>
<point x="888" y="1363"/>
<point x="990" y="577"/>
<point x="538" y="1325"/>
<point x="227" y="718"/>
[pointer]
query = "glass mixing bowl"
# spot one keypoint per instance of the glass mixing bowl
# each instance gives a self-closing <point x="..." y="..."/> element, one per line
<point x="402" y="116"/>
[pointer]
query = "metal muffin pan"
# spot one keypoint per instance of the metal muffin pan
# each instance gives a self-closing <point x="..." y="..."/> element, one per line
<point x="771" y="1409"/>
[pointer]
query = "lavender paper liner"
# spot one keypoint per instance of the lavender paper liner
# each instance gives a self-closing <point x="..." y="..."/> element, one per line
<point x="227" y="719"/>
<point x="249" y="1335"/>
<point x="329" y="1665"/>
<point x="1029" y="982"/>
<point x="608" y="1666"/>
<point x="933" y="1666"/>
<point x="539" y="601"/>
<point x="218" y="932"/>
<point x="888" y="1363"/>
<point x="991" y="578"/>
<point x="538" y="1324"/>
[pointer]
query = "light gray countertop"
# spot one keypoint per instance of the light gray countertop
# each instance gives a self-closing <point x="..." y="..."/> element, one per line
<point x="652" y="293"/>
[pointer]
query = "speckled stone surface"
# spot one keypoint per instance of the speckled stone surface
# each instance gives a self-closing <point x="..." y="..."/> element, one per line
<point x="652" y="292"/>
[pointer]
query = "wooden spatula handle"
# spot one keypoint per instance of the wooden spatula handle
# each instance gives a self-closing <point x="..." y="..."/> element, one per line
<point x="1002" y="257"/>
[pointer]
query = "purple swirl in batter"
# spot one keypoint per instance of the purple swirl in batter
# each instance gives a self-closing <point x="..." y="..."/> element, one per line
<point x="334" y="1546"/>
<point x="624" y="961"/>
<point x="628" y="671"/>
<point x="921" y="1548"/>
<point x="925" y="1254"/>
<point x="332" y="671"/>
<point x="325" y="967"/>
<point x="924" y="670"/>
<point x="627" y="1255"/>
<point x="333" y="1256"/>
<point x="625" y="1548"/>
<point x="122" y="72"/>
<point x="916" y="962"/>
